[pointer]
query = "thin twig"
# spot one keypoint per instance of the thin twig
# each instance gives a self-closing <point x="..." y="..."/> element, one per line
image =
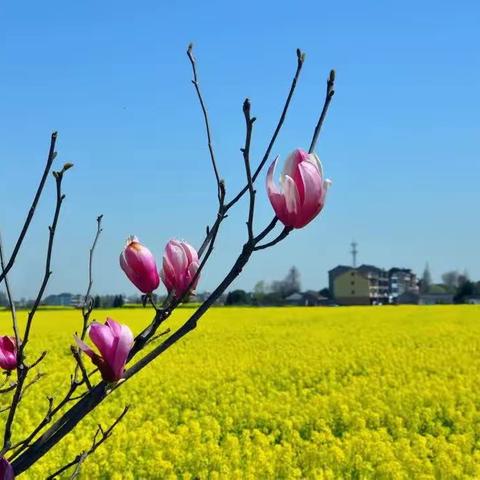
<point x="11" y="301"/>
<point x="38" y="360"/>
<point x="267" y="230"/>
<point x="246" y="158"/>
<point x="328" y="98"/>
<point x="81" y="366"/>
<point x="51" y="157"/>
<point x="283" y="234"/>
<point x="52" y="229"/>
<point x="300" y="61"/>
<point x="159" y="335"/>
<point x="79" y="459"/>
<point x="87" y="306"/>
<point x="8" y="389"/>
<point x="205" y="117"/>
<point x="87" y="302"/>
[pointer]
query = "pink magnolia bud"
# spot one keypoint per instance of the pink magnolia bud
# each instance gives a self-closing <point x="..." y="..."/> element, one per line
<point x="303" y="189"/>
<point x="114" y="342"/>
<point x="8" y="353"/>
<point x="138" y="262"/>
<point x="6" y="470"/>
<point x="180" y="264"/>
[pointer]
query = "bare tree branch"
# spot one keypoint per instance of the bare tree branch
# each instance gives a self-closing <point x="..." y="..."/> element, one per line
<point x="76" y="354"/>
<point x="79" y="459"/>
<point x="246" y="158"/>
<point x="88" y="302"/>
<point x="328" y="99"/>
<point x="22" y="368"/>
<point x="51" y="157"/>
<point x="205" y="117"/>
<point x="11" y="301"/>
<point x="300" y="61"/>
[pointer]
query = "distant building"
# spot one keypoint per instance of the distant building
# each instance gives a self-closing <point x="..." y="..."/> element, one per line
<point x="61" y="300"/>
<point x="474" y="300"/>
<point x="435" y="299"/>
<point x="401" y="281"/>
<point x="334" y="273"/>
<point x="365" y="285"/>
<point x="408" y="298"/>
<point x="379" y="288"/>
<point x="77" y="301"/>
<point x="64" y="300"/>
<point x="371" y="285"/>
<point x="307" y="299"/>
<point x="295" y="299"/>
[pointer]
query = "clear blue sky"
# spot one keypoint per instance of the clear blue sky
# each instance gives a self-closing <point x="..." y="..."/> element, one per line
<point x="401" y="143"/>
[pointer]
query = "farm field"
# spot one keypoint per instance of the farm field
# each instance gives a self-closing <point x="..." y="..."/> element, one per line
<point x="324" y="393"/>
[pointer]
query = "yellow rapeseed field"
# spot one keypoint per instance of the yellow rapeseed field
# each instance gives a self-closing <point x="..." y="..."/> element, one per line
<point x="367" y="392"/>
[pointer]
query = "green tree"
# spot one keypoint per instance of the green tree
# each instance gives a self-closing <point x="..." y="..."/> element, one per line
<point x="426" y="281"/>
<point x="97" y="302"/>
<point x="450" y="279"/>
<point x="466" y="289"/>
<point x="237" y="297"/>
<point x="118" y="301"/>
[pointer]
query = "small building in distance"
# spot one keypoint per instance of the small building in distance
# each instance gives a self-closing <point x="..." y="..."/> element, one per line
<point x="60" y="300"/>
<point x="403" y="285"/>
<point x="473" y="300"/>
<point x="371" y="285"/>
<point x="408" y="298"/>
<point x="307" y="299"/>
<point x="435" y="299"/>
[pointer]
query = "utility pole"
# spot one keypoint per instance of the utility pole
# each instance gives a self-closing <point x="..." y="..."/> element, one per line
<point x="354" y="253"/>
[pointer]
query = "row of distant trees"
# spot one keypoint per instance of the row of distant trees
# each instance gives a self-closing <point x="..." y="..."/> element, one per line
<point x="453" y="282"/>
<point x="100" y="301"/>
<point x="264" y="293"/>
<point x="108" y="301"/>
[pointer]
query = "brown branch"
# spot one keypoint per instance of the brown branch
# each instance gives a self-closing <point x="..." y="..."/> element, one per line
<point x="159" y="335"/>
<point x="38" y="360"/>
<point x="76" y="354"/>
<point x="205" y="117"/>
<point x="52" y="229"/>
<point x="87" y="302"/>
<point x="328" y="99"/>
<point x="246" y="158"/>
<point x="51" y="157"/>
<point x="300" y="61"/>
<point x="22" y="368"/>
<point x="87" y="307"/>
<point x="11" y="301"/>
<point x="8" y="389"/>
<point x="79" y="459"/>
<point x="267" y="230"/>
<point x="283" y="234"/>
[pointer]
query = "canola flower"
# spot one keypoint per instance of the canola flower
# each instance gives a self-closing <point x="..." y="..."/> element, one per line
<point x="315" y="393"/>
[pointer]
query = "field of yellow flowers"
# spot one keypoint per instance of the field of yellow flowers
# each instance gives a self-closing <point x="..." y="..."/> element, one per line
<point x="364" y="392"/>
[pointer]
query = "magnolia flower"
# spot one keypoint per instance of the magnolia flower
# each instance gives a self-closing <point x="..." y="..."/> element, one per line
<point x="139" y="265"/>
<point x="180" y="264"/>
<point x="114" y="342"/>
<point x="6" y="470"/>
<point x="303" y="189"/>
<point x="8" y="353"/>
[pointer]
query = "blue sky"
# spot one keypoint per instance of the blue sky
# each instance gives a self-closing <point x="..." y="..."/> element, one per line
<point x="401" y="142"/>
